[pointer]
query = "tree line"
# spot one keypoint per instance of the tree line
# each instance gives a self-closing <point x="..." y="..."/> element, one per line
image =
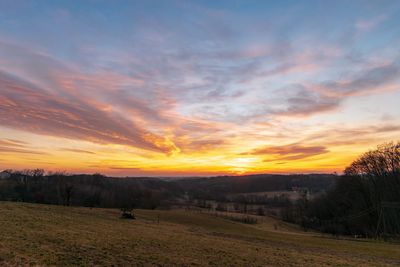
<point x="97" y="190"/>
<point x="85" y="190"/>
<point x="365" y="201"/>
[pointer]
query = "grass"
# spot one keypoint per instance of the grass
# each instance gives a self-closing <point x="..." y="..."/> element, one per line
<point x="32" y="234"/>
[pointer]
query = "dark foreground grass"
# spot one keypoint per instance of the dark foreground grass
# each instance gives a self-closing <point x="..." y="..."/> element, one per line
<point x="32" y="234"/>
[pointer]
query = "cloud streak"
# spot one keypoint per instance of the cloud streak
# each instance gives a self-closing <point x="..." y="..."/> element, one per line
<point x="27" y="107"/>
<point x="78" y="151"/>
<point x="17" y="147"/>
<point x="364" y="81"/>
<point x="289" y="152"/>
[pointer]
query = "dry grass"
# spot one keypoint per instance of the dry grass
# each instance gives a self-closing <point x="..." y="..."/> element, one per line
<point x="33" y="234"/>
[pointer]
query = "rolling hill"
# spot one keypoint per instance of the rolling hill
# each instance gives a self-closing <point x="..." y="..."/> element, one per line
<point x="36" y="234"/>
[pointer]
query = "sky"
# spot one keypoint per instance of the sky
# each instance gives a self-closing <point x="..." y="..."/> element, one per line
<point x="192" y="88"/>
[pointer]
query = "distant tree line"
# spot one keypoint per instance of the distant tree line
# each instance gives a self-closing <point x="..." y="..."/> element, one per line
<point x="365" y="201"/>
<point x="220" y="188"/>
<point x="280" y="200"/>
<point x="85" y="190"/>
<point x="97" y="190"/>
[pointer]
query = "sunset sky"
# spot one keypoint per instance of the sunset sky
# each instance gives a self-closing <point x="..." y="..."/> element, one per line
<point x="181" y="88"/>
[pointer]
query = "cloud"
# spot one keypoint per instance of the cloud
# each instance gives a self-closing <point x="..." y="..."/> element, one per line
<point x="310" y="99"/>
<point x="306" y="102"/>
<point x="202" y="145"/>
<point x="367" y="134"/>
<point x="77" y="150"/>
<point x="289" y="152"/>
<point x="145" y="98"/>
<point x="26" y="106"/>
<point x="12" y="143"/>
<point x="20" y="151"/>
<point x="300" y="99"/>
<point x="366" y="80"/>
<point x="15" y="146"/>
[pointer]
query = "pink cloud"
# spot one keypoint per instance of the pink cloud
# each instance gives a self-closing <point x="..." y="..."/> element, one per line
<point x="290" y="152"/>
<point x="27" y="107"/>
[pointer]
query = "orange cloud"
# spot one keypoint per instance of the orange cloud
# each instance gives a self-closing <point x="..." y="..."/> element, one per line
<point x="290" y="152"/>
<point x="25" y="106"/>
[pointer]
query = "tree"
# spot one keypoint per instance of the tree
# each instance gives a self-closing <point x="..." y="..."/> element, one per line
<point x="65" y="188"/>
<point x="362" y="196"/>
<point x="380" y="168"/>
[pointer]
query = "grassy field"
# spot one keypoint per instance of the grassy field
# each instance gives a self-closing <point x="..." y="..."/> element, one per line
<point x="32" y="234"/>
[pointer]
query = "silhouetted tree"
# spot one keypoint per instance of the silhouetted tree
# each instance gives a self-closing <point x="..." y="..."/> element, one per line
<point x="355" y="204"/>
<point x="65" y="188"/>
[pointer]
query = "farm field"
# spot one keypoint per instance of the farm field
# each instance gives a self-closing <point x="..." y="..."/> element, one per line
<point x="45" y="235"/>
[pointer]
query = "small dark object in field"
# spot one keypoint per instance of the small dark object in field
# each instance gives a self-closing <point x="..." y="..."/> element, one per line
<point x="127" y="214"/>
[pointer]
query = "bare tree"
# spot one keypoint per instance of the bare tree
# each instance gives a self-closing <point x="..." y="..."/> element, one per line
<point x="366" y="199"/>
<point x="65" y="188"/>
<point x="383" y="161"/>
<point x="381" y="169"/>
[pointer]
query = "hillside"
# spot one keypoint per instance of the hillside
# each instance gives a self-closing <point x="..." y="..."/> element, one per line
<point x="54" y="235"/>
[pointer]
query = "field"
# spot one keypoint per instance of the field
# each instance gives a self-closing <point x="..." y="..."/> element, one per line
<point x="292" y="195"/>
<point x="32" y="234"/>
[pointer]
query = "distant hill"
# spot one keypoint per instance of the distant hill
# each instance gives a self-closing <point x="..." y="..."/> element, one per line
<point x="101" y="191"/>
<point x="256" y="183"/>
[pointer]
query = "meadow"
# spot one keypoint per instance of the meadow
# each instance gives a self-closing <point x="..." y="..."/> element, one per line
<point x="47" y="235"/>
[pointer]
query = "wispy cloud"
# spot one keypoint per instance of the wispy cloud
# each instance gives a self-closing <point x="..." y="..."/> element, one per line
<point x="311" y="99"/>
<point x="305" y="102"/>
<point x="20" y="151"/>
<point x="25" y="106"/>
<point x="364" y="81"/>
<point x="77" y="151"/>
<point x="289" y="152"/>
<point x="17" y="147"/>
